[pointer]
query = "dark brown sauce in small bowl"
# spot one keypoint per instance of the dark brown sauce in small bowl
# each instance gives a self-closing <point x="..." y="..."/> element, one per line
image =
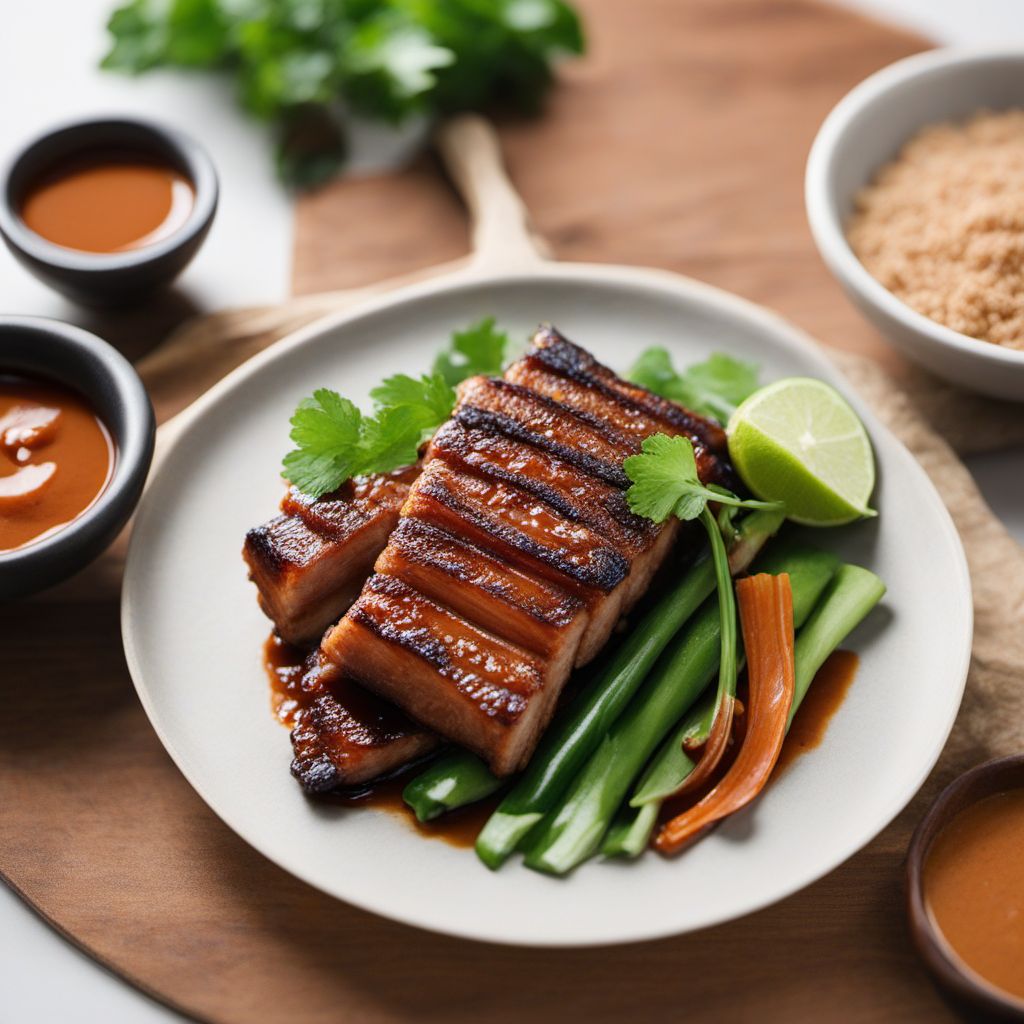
<point x="108" y="201"/>
<point x="107" y="210"/>
<point x="78" y="433"/>
<point x="974" y="888"/>
<point x="965" y="890"/>
<point x="56" y="459"/>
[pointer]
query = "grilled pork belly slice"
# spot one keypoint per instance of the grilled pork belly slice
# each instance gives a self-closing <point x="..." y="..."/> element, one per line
<point x="560" y="356"/>
<point x="488" y="695"/>
<point x="522" y="609"/>
<point x="574" y="494"/>
<point x="524" y="482"/>
<point x="310" y="563"/>
<point x="500" y="406"/>
<point x="529" y="535"/>
<point x="345" y="736"/>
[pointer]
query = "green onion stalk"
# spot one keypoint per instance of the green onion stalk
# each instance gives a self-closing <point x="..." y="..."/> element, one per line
<point x="850" y="596"/>
<point x="574" y="829"/>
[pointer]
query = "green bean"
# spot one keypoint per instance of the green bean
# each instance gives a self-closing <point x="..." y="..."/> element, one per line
<point x="574" y="736"/>
<point x="453" y="780"/>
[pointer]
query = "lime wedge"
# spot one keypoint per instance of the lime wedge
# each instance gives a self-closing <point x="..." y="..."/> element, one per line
<point x="798" y="441"/>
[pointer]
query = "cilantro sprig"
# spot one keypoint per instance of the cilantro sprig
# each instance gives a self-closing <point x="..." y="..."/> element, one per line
<point x="304" y="64"/>
<point x="665" y="482"/>
<point x="335" y="441"/>
<point x="712" y="388"/>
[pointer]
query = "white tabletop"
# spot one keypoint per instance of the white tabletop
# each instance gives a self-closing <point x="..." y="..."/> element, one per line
<point x="48" y="55"/>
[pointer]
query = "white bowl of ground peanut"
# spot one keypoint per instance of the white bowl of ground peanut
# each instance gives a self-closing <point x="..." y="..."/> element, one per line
<point x="915" y="197"/>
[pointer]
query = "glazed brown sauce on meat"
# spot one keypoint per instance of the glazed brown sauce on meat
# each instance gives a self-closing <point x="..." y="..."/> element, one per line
<point x="284" y="667"/>
<point x="974" y="888"/>
<point x="108" y="202"/>
<point x="823" y="699"/>
<point x="56" y="458"/>
<point x="460" y="828"/>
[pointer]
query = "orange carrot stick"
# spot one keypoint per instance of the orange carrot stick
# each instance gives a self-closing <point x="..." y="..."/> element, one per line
<point x="766" y="615"/>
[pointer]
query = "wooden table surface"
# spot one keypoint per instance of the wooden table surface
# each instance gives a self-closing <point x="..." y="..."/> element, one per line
<point x="679" y="142"/>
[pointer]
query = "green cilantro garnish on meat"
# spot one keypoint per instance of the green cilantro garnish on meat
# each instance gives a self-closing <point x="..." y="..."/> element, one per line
<point x="713" y="388"/>
<point x="335" y="441"/>
<point x="478" y="349"/>
<point x="665" y="482"/>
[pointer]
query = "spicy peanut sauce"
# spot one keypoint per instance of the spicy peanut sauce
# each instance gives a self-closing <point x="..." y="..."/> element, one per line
<point x="106" y="203"/>
<point x="56" y="457"/>
<point x="974" y="888"/>
<point x="284" y="668"/>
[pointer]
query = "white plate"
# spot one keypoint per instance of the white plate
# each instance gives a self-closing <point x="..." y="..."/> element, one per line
<point x="193" y="633"/>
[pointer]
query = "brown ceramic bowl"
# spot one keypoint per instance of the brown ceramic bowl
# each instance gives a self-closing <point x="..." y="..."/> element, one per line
<point x="968" y="991"/>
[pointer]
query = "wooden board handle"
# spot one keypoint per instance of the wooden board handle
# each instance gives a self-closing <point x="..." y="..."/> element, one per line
<point x="502" y="236"/>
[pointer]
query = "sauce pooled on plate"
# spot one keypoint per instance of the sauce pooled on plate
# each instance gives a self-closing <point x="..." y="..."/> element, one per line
<point x="56" y="457"/>
<point x="974" y="888"/>
<point x="106" y="203"/>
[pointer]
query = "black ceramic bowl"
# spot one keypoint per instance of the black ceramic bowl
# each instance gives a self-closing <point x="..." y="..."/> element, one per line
<point x="107" y="279"/>
<point x="70" y="356"/>
<point x="969" y="993"/>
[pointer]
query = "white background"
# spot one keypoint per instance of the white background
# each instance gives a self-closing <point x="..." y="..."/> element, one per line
<point x="48" y="55"/>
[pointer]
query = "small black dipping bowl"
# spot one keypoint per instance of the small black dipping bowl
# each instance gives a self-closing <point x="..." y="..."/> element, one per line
<point x="107" y="279"/>
<point x="36" y="347"/>
<point x="971" y="994"/>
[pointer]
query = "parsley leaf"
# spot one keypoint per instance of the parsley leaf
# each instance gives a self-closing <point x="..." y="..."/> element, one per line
<point x="713" y="388"/>
<point x="302" y="62"/>
<point x="478" y="349"/>
<point x="665" y="482"/>
<point x="334" y="441"/>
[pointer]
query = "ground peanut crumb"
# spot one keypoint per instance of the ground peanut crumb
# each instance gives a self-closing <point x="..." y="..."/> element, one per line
<point x="942" y="226"/>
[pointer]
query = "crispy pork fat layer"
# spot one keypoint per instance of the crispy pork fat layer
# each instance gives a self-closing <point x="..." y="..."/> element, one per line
<point x="515" y="553"/>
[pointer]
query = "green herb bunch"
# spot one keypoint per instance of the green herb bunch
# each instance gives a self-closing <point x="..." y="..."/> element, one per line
<point x="335" y="441"/>
<point x="298" y="63"/>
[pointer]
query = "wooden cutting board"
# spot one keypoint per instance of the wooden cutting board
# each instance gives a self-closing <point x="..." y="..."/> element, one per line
<point x="679" y="142"/>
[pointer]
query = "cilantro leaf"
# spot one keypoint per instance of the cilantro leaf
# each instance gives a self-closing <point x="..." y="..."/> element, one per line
<point x="334" y="441"/>
<point x="665" y="482"/>
<point x="478" y="349"/>
<point x="713" y="388"/>
<point x="428" y="398"/>
<point x="391" y="439"/>
<point x="325" y="429"/>
<point x="663" y="475"/>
